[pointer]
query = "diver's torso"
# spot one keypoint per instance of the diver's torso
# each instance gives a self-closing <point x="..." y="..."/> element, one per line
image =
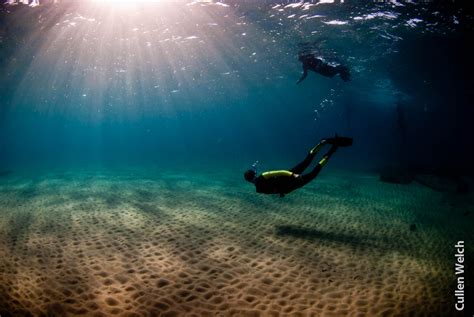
<point x="319" y="66"/>
<point x="276" y="185"/>
<point x="313" y="63"/>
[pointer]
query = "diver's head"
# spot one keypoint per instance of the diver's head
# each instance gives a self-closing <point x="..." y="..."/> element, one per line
<point x="303" y="55"/>
<point x="250" y="175"/>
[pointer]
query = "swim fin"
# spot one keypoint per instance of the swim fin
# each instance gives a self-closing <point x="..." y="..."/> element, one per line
<point x="340" y="141"/>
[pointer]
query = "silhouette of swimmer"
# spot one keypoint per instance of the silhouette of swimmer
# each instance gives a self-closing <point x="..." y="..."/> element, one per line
<point x="318" y="65"/>
<point x="285" y="181"/>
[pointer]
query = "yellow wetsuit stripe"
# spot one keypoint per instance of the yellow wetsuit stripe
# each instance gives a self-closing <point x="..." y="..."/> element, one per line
<point x="323" y="161"/>
<point x="316" y="148"/>
<point x="271" y="174"/>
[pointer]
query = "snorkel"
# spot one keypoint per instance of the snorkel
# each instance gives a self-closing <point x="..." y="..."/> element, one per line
<point x="254" y="166"/>
<point x="251" y="174"/>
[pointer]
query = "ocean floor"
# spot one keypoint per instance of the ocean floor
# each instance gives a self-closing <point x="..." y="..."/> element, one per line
<point x="152" y="242"/>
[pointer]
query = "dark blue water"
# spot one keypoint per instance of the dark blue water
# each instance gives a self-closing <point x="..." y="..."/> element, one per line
<point x="209" y="84"/>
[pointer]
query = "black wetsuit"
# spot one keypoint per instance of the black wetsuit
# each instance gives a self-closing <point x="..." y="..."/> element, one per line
<point x="284" y="182"/>
<point x="310" y="62"/>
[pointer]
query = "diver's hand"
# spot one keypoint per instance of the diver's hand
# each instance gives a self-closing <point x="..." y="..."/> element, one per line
<point x="305" y="73"/>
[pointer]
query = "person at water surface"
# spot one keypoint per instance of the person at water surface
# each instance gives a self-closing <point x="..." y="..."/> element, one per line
<point x="318" y="65"/>
<point x="285" y="181"/>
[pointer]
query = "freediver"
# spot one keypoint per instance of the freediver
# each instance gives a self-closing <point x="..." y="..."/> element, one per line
<point x="320" y="66"/>
<point x="285" y="181"/>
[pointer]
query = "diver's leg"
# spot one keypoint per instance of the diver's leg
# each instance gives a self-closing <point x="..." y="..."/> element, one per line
<point x="344" y="72"/>
<point x="298" y="169"/>
<point x="306" y="178"/>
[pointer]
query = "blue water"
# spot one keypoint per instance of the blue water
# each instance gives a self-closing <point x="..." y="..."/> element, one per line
<point x="210" y="84"/>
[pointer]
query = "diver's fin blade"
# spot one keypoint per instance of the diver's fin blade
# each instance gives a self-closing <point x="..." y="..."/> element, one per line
<point x="340" y="141"/>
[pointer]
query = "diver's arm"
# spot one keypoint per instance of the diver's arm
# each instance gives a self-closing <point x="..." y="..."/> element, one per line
<point x="305" y="73"/>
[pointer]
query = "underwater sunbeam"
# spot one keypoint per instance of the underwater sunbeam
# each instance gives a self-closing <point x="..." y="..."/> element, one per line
<point x="125" y="2"/>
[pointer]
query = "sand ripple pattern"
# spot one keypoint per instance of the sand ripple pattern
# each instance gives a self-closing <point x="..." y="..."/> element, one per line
<point x="114" y="243"/>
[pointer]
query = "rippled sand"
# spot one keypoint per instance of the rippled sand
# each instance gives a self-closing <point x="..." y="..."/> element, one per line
<point x="153" y="243"/>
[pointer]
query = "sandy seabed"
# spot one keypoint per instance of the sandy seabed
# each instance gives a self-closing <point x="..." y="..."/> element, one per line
<point x="155" y="243"/>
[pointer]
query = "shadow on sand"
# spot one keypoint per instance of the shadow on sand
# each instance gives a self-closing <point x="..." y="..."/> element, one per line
<point x="314" y="235"/>
<point x="355" y="241"/>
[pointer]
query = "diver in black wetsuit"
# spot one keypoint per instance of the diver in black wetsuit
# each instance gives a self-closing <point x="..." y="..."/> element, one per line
<point x="318" y="65"/>
<point x="283" y="182"/>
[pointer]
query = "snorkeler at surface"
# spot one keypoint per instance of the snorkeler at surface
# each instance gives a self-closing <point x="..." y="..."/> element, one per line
<point x="285" y="181"/>
<point x="318" y="65"/>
